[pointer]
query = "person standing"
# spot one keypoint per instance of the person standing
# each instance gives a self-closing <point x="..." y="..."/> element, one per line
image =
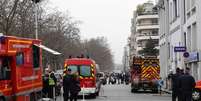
<point x="175" y="89"/>
<point x="71" y="86"/>
<point x="66" y="84"/>
<point x="186" y="85"/>
<point x="52" y="83"/>
<point x="75" y="87"/>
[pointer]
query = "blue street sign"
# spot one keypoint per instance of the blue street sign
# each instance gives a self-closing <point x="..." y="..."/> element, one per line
<point x="180" y="49"/>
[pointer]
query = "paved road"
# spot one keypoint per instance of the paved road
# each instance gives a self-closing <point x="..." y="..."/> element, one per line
<point x="122" y="93"/>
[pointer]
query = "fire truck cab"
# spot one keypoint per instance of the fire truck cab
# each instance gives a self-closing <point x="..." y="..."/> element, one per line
<point x="20" y="68"/>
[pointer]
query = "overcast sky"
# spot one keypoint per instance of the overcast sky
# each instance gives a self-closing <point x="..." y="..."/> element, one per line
<point x="109" y="18"/>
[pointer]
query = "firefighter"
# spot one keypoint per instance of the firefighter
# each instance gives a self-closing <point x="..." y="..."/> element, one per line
<point x="186" y="84"/>
<point x="51" y="84"/>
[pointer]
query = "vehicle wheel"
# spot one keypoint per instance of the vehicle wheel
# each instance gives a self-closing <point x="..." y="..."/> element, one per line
<point x="196" y="95"/>
<point x="133" y="90"/>
<point x="2" y="99"/>
<point x="97" y="93"/>
<point x="93" y="95"/>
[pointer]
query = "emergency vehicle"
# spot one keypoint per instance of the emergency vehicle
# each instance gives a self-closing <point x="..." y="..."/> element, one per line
<point x="86" y="69"/>
<point x="145" y="73"/>
<point x="196" y="95"/>
<point x="20" y="69"/>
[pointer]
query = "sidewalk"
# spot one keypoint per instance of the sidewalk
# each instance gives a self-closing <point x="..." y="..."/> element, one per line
<point x="167" y="91"/>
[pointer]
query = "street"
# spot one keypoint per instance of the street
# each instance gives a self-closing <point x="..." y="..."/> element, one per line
<point x="122" y="93"/>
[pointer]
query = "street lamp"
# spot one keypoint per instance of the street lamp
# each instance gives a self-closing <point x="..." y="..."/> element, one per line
<point x="36" y="17"/>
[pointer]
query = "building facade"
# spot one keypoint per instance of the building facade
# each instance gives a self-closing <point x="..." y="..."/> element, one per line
<point x="144" y="26"/>
<point x="179" y="27"/>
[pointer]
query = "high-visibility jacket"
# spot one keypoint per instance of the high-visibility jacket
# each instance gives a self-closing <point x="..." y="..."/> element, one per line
<point x="51" y="81"/>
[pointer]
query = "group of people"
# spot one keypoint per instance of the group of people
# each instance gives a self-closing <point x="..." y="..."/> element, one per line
<point x="182" y="85"/>
<point x="119" y="78"/>
<point x="71" y="85"/>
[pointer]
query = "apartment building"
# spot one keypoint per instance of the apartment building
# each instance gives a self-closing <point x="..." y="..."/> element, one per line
<point x="179" y="26"/>
<point x="144" y="26"/>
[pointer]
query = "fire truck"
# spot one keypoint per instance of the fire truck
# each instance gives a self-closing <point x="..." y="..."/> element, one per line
<point x="20" y="68"/>
<point x="145" y="73"/>
<point x="86" y="69"/>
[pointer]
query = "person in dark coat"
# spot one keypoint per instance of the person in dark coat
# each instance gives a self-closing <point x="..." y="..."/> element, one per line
<point x="186" y="85"/>
<point x="74" y="87"/>
<point x="66" y="84"/>
<point x="175" y="89"/>
<point x="71" y="86"/>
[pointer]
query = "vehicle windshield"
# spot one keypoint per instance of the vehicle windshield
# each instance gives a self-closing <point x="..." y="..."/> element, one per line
<point x="73" y="68"/>
<point x="85" y="71"/>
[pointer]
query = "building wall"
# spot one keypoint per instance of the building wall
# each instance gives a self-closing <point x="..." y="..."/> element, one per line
<point x="182" y="28"/>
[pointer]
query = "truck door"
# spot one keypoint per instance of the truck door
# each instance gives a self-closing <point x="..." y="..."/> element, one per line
<point x="5" y="75"/>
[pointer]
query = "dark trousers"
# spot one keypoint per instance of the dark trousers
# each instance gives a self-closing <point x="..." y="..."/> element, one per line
<point x="50" y="91"/>
<point x="186" y="96"/>
<point x="66" y="95"/>
<point x="73" y="96"/>
<point x="175" y="96"/>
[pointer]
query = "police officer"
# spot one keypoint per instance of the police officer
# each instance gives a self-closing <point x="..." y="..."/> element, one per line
<point x="175" y="89"/>
<point x="52" y="83"/>
<point x="186" y="85"/>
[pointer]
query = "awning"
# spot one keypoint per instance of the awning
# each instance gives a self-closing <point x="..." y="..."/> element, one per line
<point x="48" y="49"/>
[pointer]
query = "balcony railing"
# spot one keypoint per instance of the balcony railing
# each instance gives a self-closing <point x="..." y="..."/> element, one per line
<point x="147" y="13"/>
<point x="147" y="24"/>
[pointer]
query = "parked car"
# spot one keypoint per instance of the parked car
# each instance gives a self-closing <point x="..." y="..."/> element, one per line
<point x="196" y="95"/>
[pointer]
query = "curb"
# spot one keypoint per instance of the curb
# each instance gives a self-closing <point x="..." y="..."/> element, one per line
<point x="167" y="91"/>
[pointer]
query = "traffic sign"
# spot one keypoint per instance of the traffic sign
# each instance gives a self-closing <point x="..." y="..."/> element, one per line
<point x="186" y="54"/>
<point x="180" y="49"/>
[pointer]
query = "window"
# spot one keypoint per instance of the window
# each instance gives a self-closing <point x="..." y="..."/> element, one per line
<point x="175" y="8"/>
<point x="20" y="58"/>
<point x="85" y="71"/>
<point x="5" y="71"/>
<point x="73" y="68"/>
<point x="36" y="56"/>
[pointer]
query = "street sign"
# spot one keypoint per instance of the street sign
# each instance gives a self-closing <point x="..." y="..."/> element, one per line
<point x="186" y="54"/>
<point x="180" y="49"/>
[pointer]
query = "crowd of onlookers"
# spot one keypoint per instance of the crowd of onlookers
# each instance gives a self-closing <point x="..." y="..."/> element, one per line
<point x="116" y="78"/>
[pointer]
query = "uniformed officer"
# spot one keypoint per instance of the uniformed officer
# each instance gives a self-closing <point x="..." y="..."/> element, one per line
<point x="52" y="83"/>
<point x="186" y="85"/>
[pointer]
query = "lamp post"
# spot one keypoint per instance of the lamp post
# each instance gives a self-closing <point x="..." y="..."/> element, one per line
<point x="36" y="17"/>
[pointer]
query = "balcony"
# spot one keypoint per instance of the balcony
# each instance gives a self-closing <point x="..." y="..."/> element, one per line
<point x="147" y="26"/>
<point x="138" y="38"/>
<point x="141" y="17"/>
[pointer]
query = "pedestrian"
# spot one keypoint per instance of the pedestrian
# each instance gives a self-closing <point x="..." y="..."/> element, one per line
<point x="160" y="84"/>
<point x="45" y="83"/>
<point x="66" y="84"/>
<point x="186" y="85"/>
<point x="71" y="86"/>
<point x="75" y="87"/>
<point x="175" y="89"/>
<point x="52" y="83"/>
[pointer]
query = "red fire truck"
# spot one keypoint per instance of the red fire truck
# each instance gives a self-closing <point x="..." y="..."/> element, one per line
<point x="86" y="68"/>
<point x="145" y="73"/>
<point x="20" y="68"/>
